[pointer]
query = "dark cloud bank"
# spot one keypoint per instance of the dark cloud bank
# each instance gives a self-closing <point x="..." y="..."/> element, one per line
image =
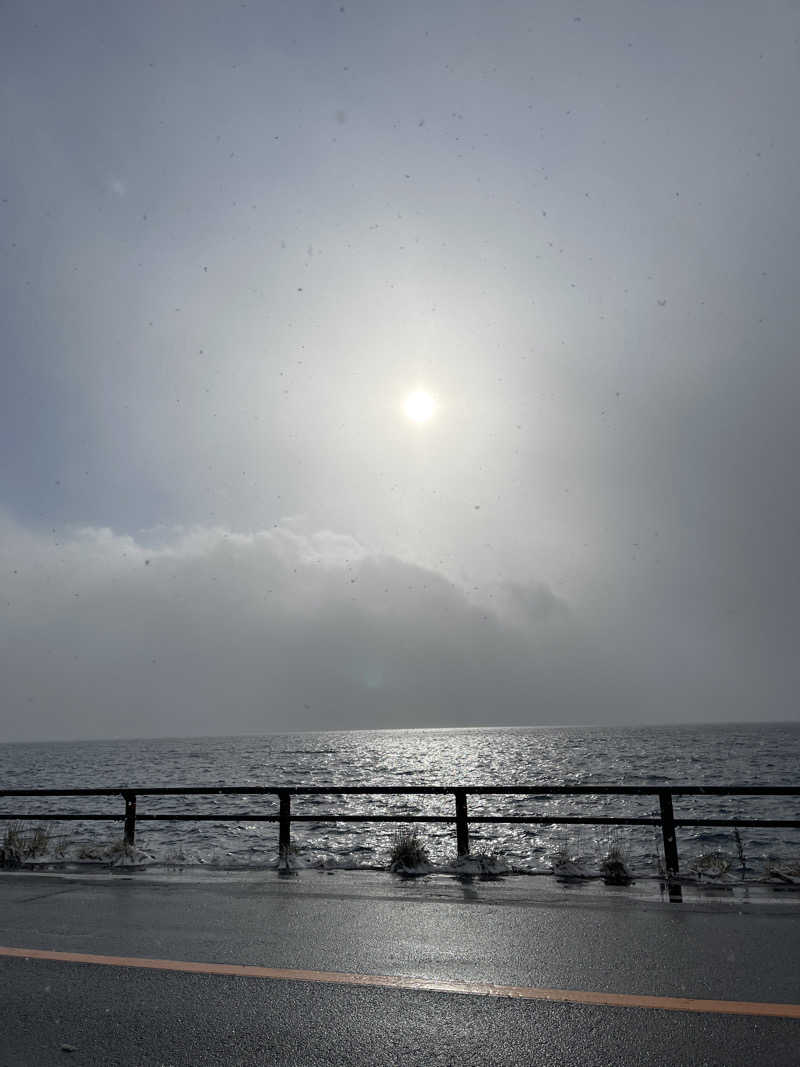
<point x="207" y="631"/>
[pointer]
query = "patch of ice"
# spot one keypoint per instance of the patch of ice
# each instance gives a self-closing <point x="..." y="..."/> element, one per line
<point x="479" y="863"/>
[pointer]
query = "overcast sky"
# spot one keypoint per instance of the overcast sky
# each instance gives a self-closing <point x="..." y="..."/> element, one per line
<point x="235" y="236"/>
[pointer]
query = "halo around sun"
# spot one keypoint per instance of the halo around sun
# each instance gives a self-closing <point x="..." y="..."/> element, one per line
<point x="419" y="406"/>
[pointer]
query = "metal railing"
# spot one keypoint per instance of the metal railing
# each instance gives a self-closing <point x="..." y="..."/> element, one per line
<point x="665" y="819"/>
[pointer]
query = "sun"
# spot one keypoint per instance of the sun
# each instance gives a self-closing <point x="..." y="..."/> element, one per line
<point x="419" y="406"/>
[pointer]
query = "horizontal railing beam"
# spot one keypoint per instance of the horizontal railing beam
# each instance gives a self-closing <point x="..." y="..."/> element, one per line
<point x="417" y="790"/>
<point x="65" y="816"/>
<point x="787" y="824"/>
<point x="252" y="816"/>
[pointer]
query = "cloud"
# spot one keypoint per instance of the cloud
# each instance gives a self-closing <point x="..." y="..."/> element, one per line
<point x="207" y="630"/>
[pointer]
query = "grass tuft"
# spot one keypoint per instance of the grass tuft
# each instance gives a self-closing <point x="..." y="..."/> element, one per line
<point x="116" y="852"/>
<point x="408" y="854"/>
<point x="21" y="843"/>
<point x="568" y="866"/>
<point x="712" y="865"/>
<point x="782" y="869"/>
<point x="614" y="868"/>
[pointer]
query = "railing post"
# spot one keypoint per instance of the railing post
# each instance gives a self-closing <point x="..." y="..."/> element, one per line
<point x="462" y="825"/>
<point x="670" y="845"/>
<point x="130" y="818"/>
<point x="284" y="833"/>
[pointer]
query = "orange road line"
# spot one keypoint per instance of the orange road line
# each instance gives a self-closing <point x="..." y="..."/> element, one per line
<point x="432" y="985"/>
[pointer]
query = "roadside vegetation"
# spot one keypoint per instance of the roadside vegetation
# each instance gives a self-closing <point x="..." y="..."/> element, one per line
<point x="577" y="857"/>
<point x="115" y="852"/>
<point x="21" y="843"/>
<point x="614" y="868"/>
<point x="408" y="854"/>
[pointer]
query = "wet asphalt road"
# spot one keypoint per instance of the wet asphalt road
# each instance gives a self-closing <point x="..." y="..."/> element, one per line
<point x="523" y="933"/>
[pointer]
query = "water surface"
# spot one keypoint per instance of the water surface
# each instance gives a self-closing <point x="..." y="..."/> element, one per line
<point x="697" y="755"/>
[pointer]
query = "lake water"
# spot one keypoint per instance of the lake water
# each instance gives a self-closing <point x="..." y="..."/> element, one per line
<point x="695" y="755"/>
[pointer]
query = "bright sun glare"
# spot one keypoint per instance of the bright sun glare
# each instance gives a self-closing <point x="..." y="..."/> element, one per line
<point x="419" y="406"/>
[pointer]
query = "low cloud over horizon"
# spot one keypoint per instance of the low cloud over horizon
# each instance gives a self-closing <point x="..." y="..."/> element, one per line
<point x="205" y="630"/>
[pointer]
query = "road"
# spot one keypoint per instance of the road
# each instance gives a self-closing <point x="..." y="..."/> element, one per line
<point x="523" y="933"/>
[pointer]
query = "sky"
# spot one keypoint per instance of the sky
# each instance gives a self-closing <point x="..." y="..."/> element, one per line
<point x="234" y="237"/>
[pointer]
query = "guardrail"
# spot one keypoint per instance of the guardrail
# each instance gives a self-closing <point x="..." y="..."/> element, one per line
<point x="461" y="817"/>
